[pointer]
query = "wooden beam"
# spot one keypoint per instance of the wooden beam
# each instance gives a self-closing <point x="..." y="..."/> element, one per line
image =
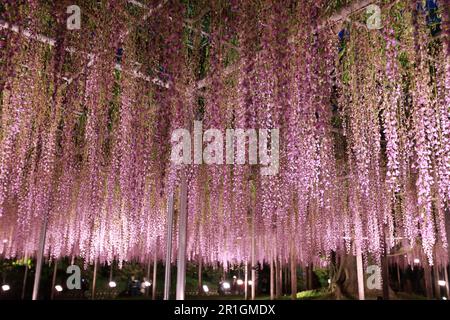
<point x="346" y="11"/>
<point x="52" y="42"/>
<point x="340" y="15"/>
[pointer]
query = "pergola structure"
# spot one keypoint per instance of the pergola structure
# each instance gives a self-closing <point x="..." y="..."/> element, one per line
<point x="363" y="116"/>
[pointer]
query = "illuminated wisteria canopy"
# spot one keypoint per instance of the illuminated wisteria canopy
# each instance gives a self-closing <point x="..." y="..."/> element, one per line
<point x="363" y="115"/>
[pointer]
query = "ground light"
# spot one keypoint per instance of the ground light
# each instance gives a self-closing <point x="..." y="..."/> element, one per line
<point x="226" y="285"/>
<point x="147" y="283"/>
<point x="58" y="288"/>
<point x="205" y="288"/>
<point x="240" y="282"/>
<point x="112" y="284"/>
<point x="6" y="287"/>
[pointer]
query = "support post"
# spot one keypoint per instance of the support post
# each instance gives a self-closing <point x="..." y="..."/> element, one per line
<point x="272" y="279"/>
<point x="385" y="268"/>
<point x="155" y="266"/>
<point x="55" y="270"/>
<point x="437" y="288"/>
<point x="293" y="274"/>
<point x="360" y="272"/>
<point x="181" y="263"/>
<point x="147" y="278"/>
<point x="200" y="281"/>
<point x="40" y="258"/>
<point x="25" y="277"/>
<point x="428" y="280"/>
<point x="277" y="278"/>
<point x="246" y="280"/>
<point x="168" y="247"/>
<point x="446" y="282"/>
<point x="94" y="280"/>
<point x="253" y="252"/>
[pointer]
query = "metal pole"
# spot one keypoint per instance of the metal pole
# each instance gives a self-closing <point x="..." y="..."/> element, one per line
<point x="181" y="265"/>
<point x="359" y="272"/>
<point x="272" y="279"/>
<point x="246" y="280"/>
<point x="40" y="258"/>
<point x="168" y="247"/>
<point x="293" y="273"/>
<point x="200" y="280"/>
<point x="446" y="282"/>
<point x="55" y="269"/>
<point x="253" y="252"/>
<point x="155" y="265"/>
<point x="149" y="265"/>
<point x="94" y="280"/>
<point x="25" y="276"/>
<point x="385" y="270"/>
<point x="437" y="288"/>
<point x="277" y="278"/>
<point x="111" y="271"/>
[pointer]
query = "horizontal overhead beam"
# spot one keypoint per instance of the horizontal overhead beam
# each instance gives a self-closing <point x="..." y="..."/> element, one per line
<point x="52" y="42"/>
<point x="338" y="16"/>
<point x="348" y="10"/>
<point x="188" y="23"/>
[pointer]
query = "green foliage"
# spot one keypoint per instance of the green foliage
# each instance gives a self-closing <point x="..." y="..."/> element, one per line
<point x="23" y="262"/>
<point x="322" y="275"/>
<point x="311" y="294"/>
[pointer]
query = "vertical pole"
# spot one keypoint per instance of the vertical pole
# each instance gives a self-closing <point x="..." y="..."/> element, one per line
<point x="111" y="271"/>
<point x="94" y="280"/>
<point x="446" y="282"/>
<point x="24" y="286"/>
<point x="246" y="280"/>
<point x="40" y="258"/>
<point x="168" y="247"/>
<point x="360" y="272"/>
<point x="253" y="252"/>
<point x="272" y="279"/>
<point x="293" y="274"/>
<point x="437" y="288"/>
<point x="307" y="276"/>
<point x="155" y="266"/>
<point x="286" y="279"/>
<point x="181" y="263"/>
<point x="25" y="276"/>
<point x="55" y="269"/>
<point x="385" y="268"/>
<point x="428" y="279"/>
<point x="147" y="278"/>
<point x="277" y="278"/>
<point x="200" y="281"/>
<point x="281" y="278"/>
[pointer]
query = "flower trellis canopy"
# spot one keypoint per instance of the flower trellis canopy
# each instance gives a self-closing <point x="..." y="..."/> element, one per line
<point x="87" y="116"/>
